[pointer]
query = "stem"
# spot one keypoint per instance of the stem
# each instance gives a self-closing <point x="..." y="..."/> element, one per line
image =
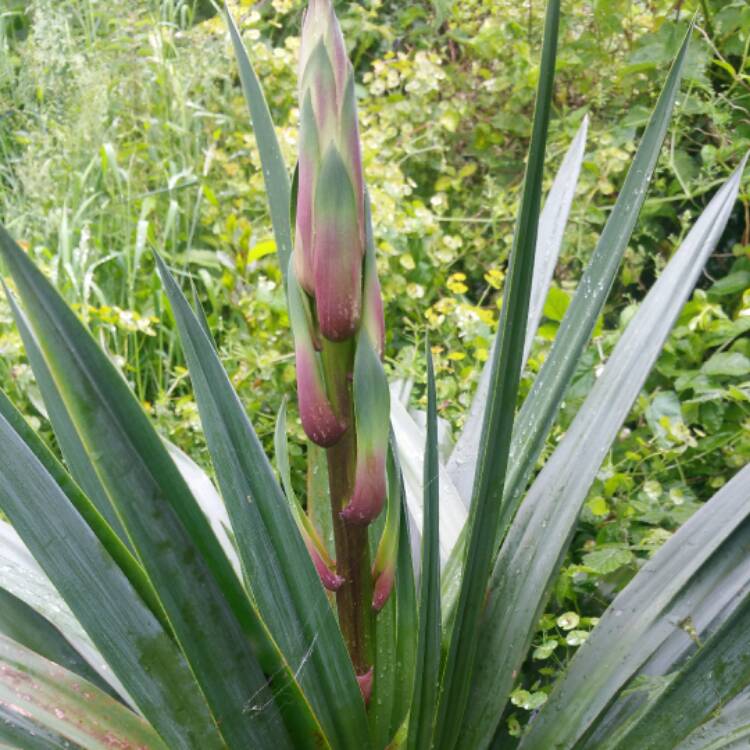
<point x="353" y="599"/>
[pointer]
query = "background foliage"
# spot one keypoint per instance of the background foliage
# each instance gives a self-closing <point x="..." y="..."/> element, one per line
<point x="122" y="128"/>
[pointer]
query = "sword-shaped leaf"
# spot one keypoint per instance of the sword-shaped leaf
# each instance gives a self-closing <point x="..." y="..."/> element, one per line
<point x="730" y="730"/>
<point x="718" y="671"/>
<point x="21" y="576"/>
<point x="552" y="222"/>
<point x="61" y="703"/>
<point x="111" y="542"/>
<point x="427" y="676"/>
<point x="274" y="170"/>
<point x="540" y="407"/>
<point x="395" y="627"/>
<point x="210" y="613"/>
<point x="498" y="422"/>
<point x="690" y="580"/>
<point x="77" y="459"/>
<point x="126" y="632"/>
<point x="27" y="627"/>
<point x="525" y="568"/>
<point x="410" y="438"/>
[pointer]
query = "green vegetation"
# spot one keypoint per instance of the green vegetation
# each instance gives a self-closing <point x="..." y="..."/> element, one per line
<point x="124" y="131"/>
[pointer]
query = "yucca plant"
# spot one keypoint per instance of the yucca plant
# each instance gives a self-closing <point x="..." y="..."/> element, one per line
<point x="143" y="609"/>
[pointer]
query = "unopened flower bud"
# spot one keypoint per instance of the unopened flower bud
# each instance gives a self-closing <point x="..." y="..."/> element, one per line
<point x="330" y="196"/>
<point x="371" y="412"/>
<point x="365" y="684"/>
<point x="329" y="578"/>
<point x="319" y="420"/>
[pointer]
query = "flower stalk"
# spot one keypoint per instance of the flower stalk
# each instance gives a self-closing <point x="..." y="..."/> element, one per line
<point x="336" y="313"/>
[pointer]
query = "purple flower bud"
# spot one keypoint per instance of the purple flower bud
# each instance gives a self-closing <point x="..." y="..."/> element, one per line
<point x="382" y="589"/>
<point x="372" y="415"/>
<point x="369" y="488"/>
<point x="337" y="250"/>
<point x="329" y="578"/>
<point x="365" y="684"/>
<point x="330" y="196"/>
<point x="309" y="157"/>
<point x="320" y="83"/>
<point x="319" y="420"/>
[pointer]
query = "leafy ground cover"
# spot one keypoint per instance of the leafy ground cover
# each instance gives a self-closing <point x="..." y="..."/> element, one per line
<point x="123" y="129"/>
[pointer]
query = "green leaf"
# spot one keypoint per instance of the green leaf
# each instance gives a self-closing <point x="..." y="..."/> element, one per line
<point x="540" y="407"/>
<point x="111" y="542"/>
<point x="129" y="637"/>
<point x="406" y="621"/>
<point x="319" y="494"/>
<point x="71" y="447"/>
<point x="692" y="584"/>
<point x="665" y="405"/>
<point x="395" y="624"/>
<point x="732" y="283"/>
<point x="274" y="169"/>
<point x="426" y="682"/>
<point x="209" y="612"/>
<point x="608" y="559"/>
<point x="22" y="732"/>
<point x="386" y="673"/>
<point x="410" y="439"/>
<point x="28" y="628"/>
<point x="557" y="304"/>
<point x="731" y="364"/>
<point x="718" y="670"/>
<point x="498" y="420"/>
<point x="523" y="572"/>
<point x="727" y="731"/>
<point x="21" y="576"/>
<point x="209" y="500"/>
<point x="463" y="460"/>
<point x="284" y="583"/>
<point x="32" y="687"/>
